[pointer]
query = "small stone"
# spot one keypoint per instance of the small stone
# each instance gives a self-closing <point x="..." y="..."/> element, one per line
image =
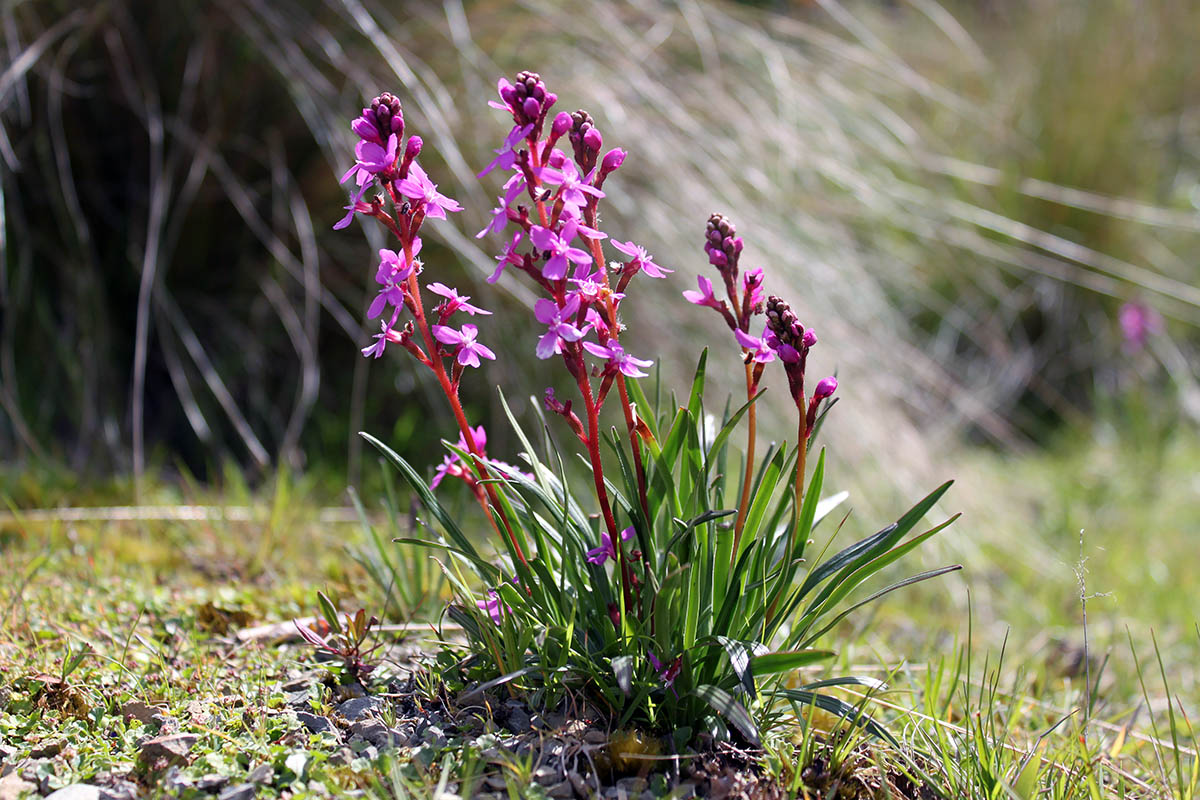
<point x="242" y="791"/>
<point x="546" y="775"/>
<point x="263" y="774"/>
<point x="315" y="723"/>
<point x="518" y="720"/>
<point x="297" y="700"/>
<point x="579" y="784"/>
<point x="172" y="749"/>
<point x="76" y="791"/>
<point x="302" y="681"/>
<point x="376" y="733"/>
<point x="136" y="709"/>
<point x="211" y="783"/>
<point x="496" y="782"/>
<point x="13" y="786"/>
<point x="359" y="707"/>
<point x="562" y="790"/>
<point x="595" y="736"/>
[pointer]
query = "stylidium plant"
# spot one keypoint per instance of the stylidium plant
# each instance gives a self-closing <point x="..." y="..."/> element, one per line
<point x="670" y="605"/>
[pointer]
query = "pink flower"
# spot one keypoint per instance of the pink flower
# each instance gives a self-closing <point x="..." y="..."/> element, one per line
<point x="641" y="259"/>
<point x="494" y="607"/>
<point x="506" y="156"/>
<point x="560" y="249"/>
<point x="825" y="388"/>
<point x="573" y="187"/>
<point x="558" y="325"/>
<point x="371" y="160"/>
<point x="467" y="350"/>
<point x="1138" y="321"/>
<point x="391" y="275"/>
<point x="455" y="301"/>
<point x="417" y="186"/>
<point x="509" y="256"/>
<point x="762" y="352"/>
<point x="618" y="359"/>
<point x="705" y="296"/>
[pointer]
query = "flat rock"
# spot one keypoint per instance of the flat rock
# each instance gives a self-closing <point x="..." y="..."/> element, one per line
<point x="358" y="707"/>
<point x="242" y="791"/>
<point x="136" y="709"/>
<point x="211" y="783"/>
<point x="76" y="791"/>
<point x="375" y="733"/>
<point x="173" y="749"/>
<point x="314" y="723"/>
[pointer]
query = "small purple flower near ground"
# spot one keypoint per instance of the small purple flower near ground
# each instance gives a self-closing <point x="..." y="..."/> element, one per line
<point x="371" y="159"/>
<point x="1138" y="321"/>
<point x="598" y="555"/>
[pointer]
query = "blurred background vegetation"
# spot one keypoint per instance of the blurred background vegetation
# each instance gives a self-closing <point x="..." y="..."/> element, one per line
<point x="958" y="195"/>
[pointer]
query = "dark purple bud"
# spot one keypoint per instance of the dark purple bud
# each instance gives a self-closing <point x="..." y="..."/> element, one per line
<point x="508" y="94"/>
<point x="531" y="108"/>
<point x="592" y="139"/>
<point x="550" y="99"/>
<point x="613" y="160"/>
<point x="809" y="339"/>
<point x="397" y="124"/>
<point x="737" y="244"/>
<point x="717" y="258"/>
<point x="825" y="388"/>
<point x="557" y="159"/>
<point x="562" y="124"/>
<point x="538" y="91"/>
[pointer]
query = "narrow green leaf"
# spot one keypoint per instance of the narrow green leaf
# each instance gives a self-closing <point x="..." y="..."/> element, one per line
<point x="786" y="661"/>
<point x="724" y="704"/>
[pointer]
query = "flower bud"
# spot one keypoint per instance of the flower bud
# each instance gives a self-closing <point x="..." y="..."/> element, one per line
<point x="592" y="139"/>
<point x="412" y="148"/>
<point x="809" y="339"/>
<point x="825" y="388"/>
<point x="613" y="160"/>
<point x="531" y="107"/>
<point x="562" y="124"/>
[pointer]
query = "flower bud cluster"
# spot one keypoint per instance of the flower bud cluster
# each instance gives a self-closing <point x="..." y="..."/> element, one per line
<point x="527" y="99"/>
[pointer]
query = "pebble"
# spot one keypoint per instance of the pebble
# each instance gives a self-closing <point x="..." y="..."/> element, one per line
<point x="595" y="736"/>
<point x="173" y="749"/>
<point x="376" y="733"/>
<point x="242" y="791"/>
<point x="13" y="786"/>
<point x="211" y="783"/>
<point x="546" y="775"/>
<point x="315" y="723"/>
<point x="359" y="707"/>
<point x="561" y="790"/>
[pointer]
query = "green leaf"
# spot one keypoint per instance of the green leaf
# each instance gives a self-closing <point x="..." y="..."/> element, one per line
<point x="868" y="548"/>
<point x="840" y="708"/>
<point x="786" y="661"/>
<point x="488" y="572"/>
<point x="739" y="659"/>
<point x="723" y="703"/>
<point x="697" y="394"/>
<point x="329" y="612"/>
<point x="622" y="667"/>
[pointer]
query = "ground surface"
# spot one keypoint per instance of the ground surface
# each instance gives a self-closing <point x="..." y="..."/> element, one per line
<point x="156" y="658"/>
